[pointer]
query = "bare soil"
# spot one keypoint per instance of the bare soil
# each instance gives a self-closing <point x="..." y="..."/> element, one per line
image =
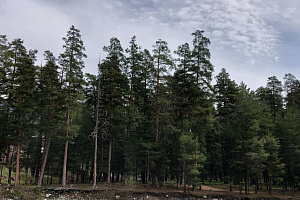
<point x="144" y="191"/>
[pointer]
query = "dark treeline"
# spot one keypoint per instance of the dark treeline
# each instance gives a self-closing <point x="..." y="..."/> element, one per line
<point x="147" y="124"/>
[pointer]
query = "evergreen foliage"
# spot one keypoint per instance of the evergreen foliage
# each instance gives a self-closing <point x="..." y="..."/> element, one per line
<point x="159" y="119"/>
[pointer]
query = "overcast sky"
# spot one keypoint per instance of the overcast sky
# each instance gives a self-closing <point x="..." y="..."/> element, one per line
<point x="251" y="39"/>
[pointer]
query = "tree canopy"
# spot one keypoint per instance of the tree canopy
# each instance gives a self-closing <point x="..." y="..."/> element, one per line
<point x="148" y="115"/>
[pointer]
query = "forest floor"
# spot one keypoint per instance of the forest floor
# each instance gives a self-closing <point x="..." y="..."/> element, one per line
<point x="135" y="191"/>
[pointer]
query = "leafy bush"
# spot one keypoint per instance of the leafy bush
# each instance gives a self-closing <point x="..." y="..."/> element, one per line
<point x="13" y="194"/>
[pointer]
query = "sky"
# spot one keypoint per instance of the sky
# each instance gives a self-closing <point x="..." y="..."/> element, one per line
<point x="251" y="39"/>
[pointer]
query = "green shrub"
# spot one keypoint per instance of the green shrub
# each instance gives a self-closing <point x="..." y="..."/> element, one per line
<point x="13" y="194"/>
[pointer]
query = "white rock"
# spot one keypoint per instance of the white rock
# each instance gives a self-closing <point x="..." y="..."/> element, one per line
<point x="204" y="197"/>
<point x="48" y="195"/>
<point x="117" y="196"/>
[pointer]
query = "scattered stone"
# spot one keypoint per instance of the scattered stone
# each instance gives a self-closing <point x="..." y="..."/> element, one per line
<point x="118" y="197"/>
<point x="204" y="197"/>
<point x="48" y="195"/>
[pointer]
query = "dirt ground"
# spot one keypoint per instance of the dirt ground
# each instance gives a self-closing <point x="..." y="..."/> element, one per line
<point x="208" y="191"/>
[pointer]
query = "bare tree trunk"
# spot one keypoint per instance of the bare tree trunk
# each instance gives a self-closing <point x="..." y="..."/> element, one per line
<point x="64" y="177"/>
<point x="9" y="163"/>
<point x="256" y="185"/>
<point x="1" y="173"/>
<point x="241" y="187"/>
<point x="44" y="161"/>
<point x="96" y="130"/>
<point x="153" y="178"/>
<point x="270" y="186"/>
<point x="109" y="162"/>
<point x="184" y="181"/>
<point x="18" y="162"/>
<point x="247" y="180"/>
<point x="19" y="150"/>
<point x="148" y="168"/>
<point x="95" y="161"/>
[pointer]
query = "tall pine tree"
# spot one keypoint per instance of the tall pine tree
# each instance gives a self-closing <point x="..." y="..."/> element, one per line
<point x="72" y="63"/>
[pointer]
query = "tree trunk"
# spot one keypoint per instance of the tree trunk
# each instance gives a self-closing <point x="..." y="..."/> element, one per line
<point x="64" y="177"/>
<point x="9" y="175"/>
<point x="9" y="169"/>
<point x="44" y="161"/>
<point x="109" y="162"/>
<point x="246" y="182"/>
<point x="77" y="176"/>
<point x="241" y="187"/>
<point x="1" y="173"/>
<point x="95" y="159"/>
<point x="19" y="149"/>
<point x="18" y="162"/>
<point x="256" y="185"/>
<point x="148" y="168"/>
<point x="270" y="186"/>
<point x="184" y="181"/>
<point x="153" y="179"/>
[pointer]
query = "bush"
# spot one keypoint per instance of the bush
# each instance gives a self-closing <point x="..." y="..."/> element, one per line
<point x="12" y="194"/>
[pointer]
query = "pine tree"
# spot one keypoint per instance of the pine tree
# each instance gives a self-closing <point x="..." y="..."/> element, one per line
<point x="4" y="104"/>
<point x="292" y="89"/>
<point x="226" y="92"/>
<point x="272" y="95"/>
<point x="50" y="106"/>
<point x="72" y="63"/>
<point x="288" y="133"/>
<point x="202" y="70"/>
<point x="135" y="102"/>
<point x="20" y="95"/>
<point x="163" y="61"/>
<point x="273" y="162"/>
<point x="146" y="128"/>
<point x="114" y="89"/>
<point x="189" y="146"/>
<point x="248" y="149"/>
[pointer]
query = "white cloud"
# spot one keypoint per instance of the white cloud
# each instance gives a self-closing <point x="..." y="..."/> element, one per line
<point x="243" y="33"/>
<point x="243" y="25"/>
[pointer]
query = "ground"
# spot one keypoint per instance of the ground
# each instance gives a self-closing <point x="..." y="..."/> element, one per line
<point x="138" y="191"/>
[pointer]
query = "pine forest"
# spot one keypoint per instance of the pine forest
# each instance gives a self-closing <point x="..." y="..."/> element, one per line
<point x="152" y="116"/>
